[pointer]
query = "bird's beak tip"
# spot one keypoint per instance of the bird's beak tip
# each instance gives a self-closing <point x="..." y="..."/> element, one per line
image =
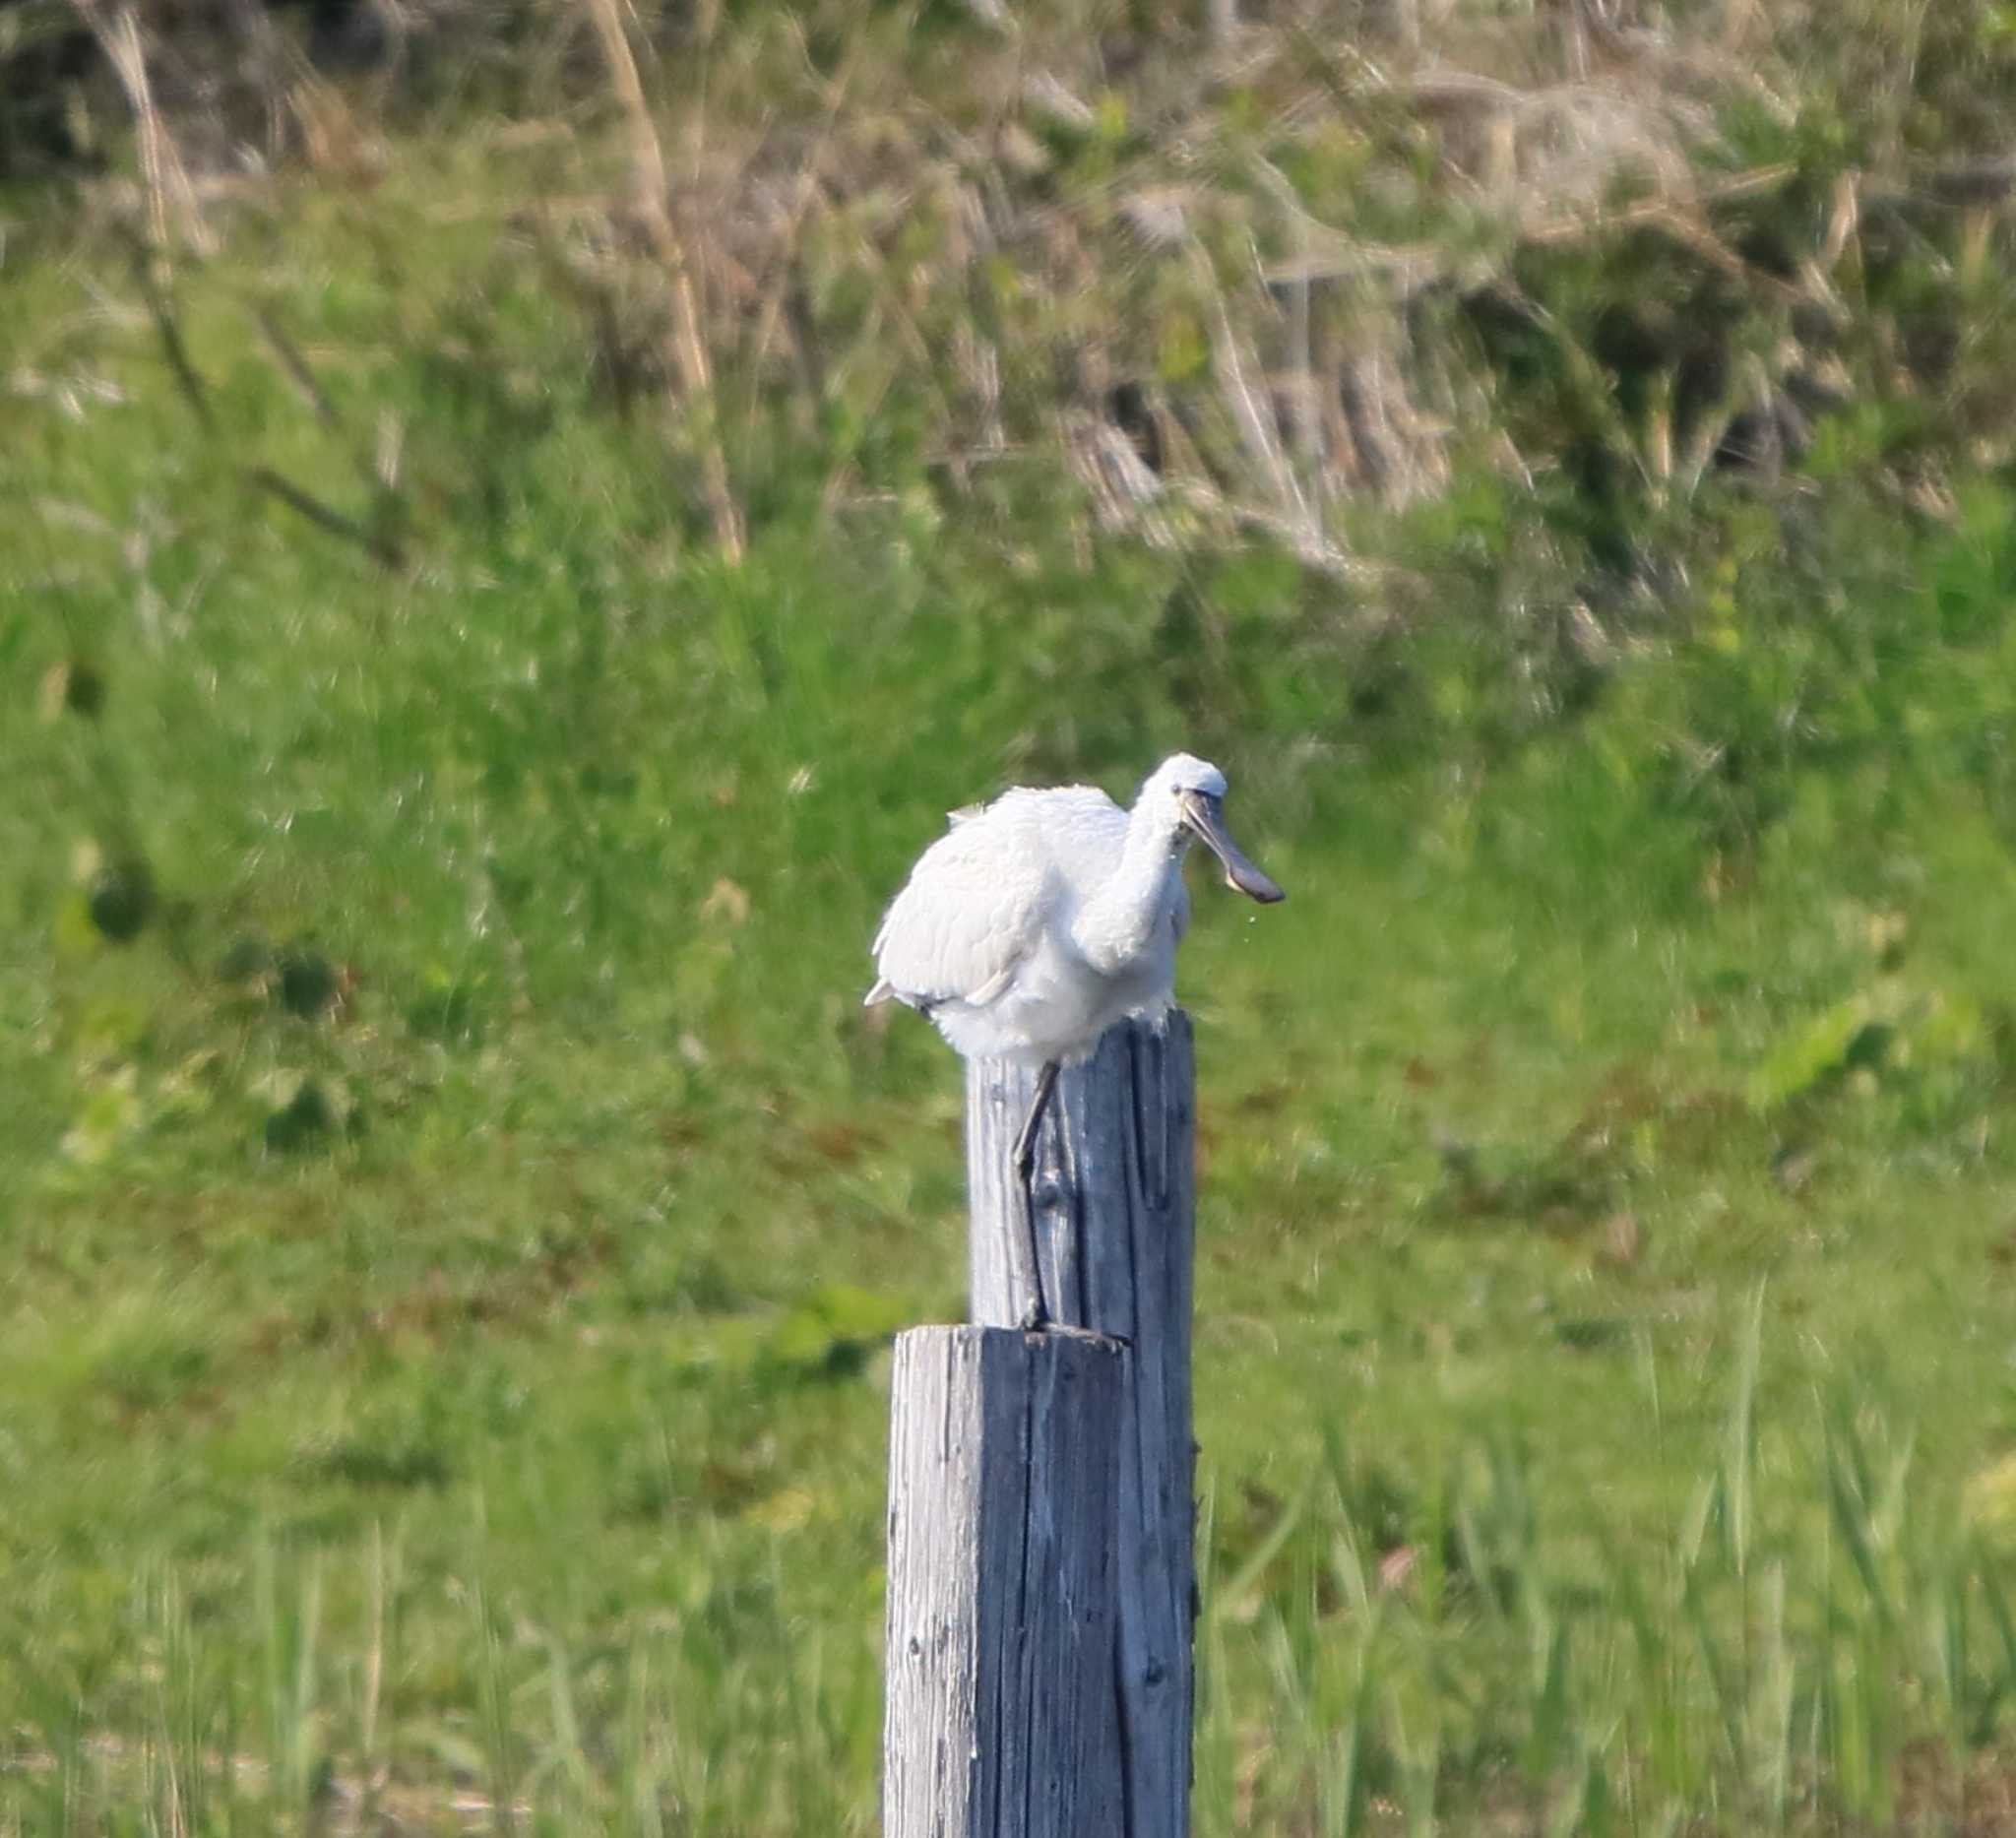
<point x="1257" y="887"/>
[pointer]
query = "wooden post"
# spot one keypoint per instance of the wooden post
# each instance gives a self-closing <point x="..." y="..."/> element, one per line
<point x="1004" y="1450"/>
<point x="1115" y="1189"/>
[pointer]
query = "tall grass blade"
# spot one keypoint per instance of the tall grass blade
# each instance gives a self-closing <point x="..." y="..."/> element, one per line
<point x="1740" y="1454"/>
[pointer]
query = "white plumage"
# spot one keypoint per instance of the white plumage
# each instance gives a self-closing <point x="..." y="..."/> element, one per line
<point x="1035" y="924"/>
<point x="1038" y="922"/>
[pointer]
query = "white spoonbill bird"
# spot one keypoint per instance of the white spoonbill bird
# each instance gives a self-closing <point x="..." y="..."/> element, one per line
<point x="1040" y="920"/>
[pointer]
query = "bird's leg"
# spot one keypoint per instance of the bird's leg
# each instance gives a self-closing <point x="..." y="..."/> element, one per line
<point x="1037" y="1315"/>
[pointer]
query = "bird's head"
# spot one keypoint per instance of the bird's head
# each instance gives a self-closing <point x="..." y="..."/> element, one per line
<point x="1188" y="793"/>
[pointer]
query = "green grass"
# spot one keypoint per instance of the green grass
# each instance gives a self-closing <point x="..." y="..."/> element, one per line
<point x="450" y="1247"/>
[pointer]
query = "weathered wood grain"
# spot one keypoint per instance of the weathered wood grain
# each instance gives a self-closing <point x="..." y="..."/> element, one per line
<point x="1115" y="1190"/>
<point x="1004" y="1457"/>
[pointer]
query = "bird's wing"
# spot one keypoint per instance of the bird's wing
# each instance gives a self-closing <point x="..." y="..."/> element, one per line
<point x="972" y="912"/>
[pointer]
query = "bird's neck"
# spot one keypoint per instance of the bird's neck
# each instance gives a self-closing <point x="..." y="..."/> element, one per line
<point x="1114" y="926"/>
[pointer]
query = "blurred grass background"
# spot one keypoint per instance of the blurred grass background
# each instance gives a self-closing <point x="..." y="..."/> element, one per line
<point x="484" y="628"/>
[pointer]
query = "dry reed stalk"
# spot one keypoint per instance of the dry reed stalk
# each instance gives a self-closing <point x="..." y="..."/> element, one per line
<point x="1292" y="510"/>
<point x="163" y="173"/>
<point x="654" y="205"/>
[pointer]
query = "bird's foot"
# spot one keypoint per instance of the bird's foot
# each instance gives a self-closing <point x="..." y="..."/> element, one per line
<point x="1036" y="1318"/>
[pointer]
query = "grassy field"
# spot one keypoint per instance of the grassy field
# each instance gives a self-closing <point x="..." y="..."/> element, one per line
<point x="453" y="1208"/>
